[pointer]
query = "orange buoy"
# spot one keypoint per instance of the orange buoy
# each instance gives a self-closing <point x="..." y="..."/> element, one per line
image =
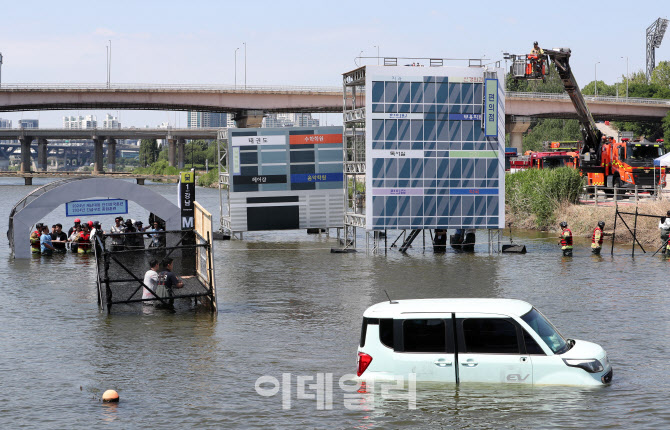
<point x="110" y="396"/>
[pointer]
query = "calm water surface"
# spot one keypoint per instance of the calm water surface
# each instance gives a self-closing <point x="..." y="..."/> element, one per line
<point x="289" y="308"/>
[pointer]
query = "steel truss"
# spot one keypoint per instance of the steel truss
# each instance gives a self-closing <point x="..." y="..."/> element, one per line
<point x="655" y="33"/>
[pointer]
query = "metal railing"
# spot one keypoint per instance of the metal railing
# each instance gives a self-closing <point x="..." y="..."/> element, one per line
<point x="288" y="89"/>
<point x="171" y="87"/>
<point x="605" y="99"/>
<point x="592" y="193"/>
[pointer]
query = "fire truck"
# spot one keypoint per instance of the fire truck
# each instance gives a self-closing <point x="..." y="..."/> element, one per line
<point x="545" y="160"/>
<point x="602" y="160"/>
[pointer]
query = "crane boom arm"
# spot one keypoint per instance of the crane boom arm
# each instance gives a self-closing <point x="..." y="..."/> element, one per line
<point x="591" y="134"/>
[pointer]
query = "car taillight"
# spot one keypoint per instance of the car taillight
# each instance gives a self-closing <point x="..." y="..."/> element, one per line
<point x="364" y="361"/>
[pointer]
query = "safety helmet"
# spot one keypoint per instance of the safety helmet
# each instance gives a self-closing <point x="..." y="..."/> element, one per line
<point x="563" y="224"/>
<point x="601" y="224"/>
<point x="535" y="43"/>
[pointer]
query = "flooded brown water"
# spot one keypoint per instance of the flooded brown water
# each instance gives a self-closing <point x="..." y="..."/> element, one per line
<point x="290" y="307"/>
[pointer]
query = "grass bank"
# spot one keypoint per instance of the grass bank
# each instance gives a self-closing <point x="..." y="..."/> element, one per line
<point x="532" y="197"/>
<point x="541" y="199"/>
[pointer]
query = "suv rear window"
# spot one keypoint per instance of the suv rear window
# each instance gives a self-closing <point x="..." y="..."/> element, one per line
<point x="490" y="336"/>
<point x="385" y="330"/>
<point x="424" y="335"/>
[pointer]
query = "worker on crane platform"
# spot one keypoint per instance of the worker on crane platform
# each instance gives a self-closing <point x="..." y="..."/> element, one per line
<point x="537" y="51"/>
<point x="597" y="239"/>
<point x="566" y="239"/>
<point x="536" y="58"/>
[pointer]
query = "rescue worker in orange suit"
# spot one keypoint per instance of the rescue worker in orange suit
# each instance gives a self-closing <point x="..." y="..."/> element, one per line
<point x="566" y="239"/>
<point x="597" y="239"/>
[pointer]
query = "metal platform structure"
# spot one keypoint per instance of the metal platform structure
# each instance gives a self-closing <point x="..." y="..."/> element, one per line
<point x="120" y="273"/>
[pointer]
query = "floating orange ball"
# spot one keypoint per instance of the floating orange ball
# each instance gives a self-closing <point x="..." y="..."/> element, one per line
<point x="110" y="396"/>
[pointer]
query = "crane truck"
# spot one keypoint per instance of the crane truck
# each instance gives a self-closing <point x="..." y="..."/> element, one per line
<point x="603" y="161"/>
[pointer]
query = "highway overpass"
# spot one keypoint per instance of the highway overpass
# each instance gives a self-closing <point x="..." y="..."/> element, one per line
<point x="176" y="138"/>
<point x="249" y="104"/>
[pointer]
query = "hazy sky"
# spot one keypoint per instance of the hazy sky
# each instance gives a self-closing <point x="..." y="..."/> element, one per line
<point x="299" y="42"/>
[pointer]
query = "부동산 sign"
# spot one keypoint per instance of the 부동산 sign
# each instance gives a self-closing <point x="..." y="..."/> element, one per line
<point x="96" y="207"/>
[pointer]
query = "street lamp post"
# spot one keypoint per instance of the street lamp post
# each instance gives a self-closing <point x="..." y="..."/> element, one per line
<point x="236" y="49"/>
<point x="109" y="66"/>
<point x="595" y="73"/>
<point x="245" y="64"/>
<point x="377" y="46"/>
<point x="626" y="76"/>
<point x="0" y="69"/>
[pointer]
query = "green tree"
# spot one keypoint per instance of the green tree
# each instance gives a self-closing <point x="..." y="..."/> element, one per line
<point x="148" y="151"/>
<point x="661" y="74"/>
<point x="603" y="89"/>
<point x="548" y="130"/>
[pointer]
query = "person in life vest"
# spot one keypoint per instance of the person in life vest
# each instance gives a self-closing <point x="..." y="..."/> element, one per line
<point x="84" y="240"/>
<point x="35" y="247"/>
<point x="566" y="239"/>
<point x="597" y="239"/>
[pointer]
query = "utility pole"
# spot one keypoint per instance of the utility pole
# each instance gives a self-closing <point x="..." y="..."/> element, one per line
<point x="245" y="64"/>
<point x="377" y="46"/>
<point x="109" y="64"/>
<point x="236" y="49"/>
<point x="0" y="69"/>
<point x="626" y="76"/>
<point x="595" y="77"/>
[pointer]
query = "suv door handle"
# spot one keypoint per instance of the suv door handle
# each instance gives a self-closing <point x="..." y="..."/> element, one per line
<point x="443" y="363"/>
<point x="469" y="363"/>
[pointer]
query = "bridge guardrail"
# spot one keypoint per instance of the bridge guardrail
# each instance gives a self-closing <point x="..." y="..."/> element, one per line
<point x="182" y="87"/>
<point x="608" y="99"/>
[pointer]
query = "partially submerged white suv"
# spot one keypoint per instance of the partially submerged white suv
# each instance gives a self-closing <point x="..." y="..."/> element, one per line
<point x="474" y="340"/>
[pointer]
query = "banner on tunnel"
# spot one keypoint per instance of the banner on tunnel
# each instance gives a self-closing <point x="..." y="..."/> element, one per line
<point x="434" y="155"/>
<point x="96" y="207"/>
<point x="285" y="178"/>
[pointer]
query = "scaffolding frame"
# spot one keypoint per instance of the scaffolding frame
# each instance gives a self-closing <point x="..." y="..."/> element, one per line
<point x="353" y="135"/>
<point x="224" y="182"/>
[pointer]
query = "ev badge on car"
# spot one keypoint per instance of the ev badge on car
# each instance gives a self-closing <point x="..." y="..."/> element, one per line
<point x="515" y="377"/>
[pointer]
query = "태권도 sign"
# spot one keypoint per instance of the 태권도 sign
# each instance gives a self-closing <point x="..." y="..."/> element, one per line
<point x="96" y="207"/>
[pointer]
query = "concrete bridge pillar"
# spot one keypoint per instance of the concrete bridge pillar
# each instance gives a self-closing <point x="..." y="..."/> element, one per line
<point x="172" y="149"/>
<point x="516" y="127"/>
<point x="111" y="154"/>
<point x="25" y="153"/>
<point x="42" y="155"/>
<point x="181" y="142"/>
<point x="249" y="118"/>
<point x="98" y="158"/>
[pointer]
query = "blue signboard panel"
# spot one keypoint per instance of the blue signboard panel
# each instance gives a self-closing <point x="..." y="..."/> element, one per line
<point x="285" y="178"/>
<point x="429" y="161"/>
<point x="96" y="207"/>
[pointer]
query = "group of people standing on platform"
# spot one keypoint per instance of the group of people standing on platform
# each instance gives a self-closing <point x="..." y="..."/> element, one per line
<point x="80" y="238"/>
<point x="596" y="239"/>
<point x="122" y="241"/>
